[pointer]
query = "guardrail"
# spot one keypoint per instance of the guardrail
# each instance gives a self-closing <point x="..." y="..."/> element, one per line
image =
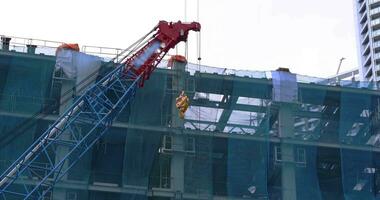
<point x="48" y="47"/>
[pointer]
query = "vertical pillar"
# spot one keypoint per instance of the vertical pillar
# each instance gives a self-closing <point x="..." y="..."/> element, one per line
<point x="288" y="167"/>
<point x="67" y="85"/>
<point x="285" y="95"/>
<point x="178" y="158"/>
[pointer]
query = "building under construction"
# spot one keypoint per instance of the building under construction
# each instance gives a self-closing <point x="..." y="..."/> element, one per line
<point x="245" y="135"/>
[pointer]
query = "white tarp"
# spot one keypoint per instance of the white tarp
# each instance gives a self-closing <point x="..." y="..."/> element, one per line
<point x="285" y="88"/>
<point x="79" y="66"/>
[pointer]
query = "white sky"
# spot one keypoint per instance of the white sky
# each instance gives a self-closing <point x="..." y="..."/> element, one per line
<point x="307" y="36"/>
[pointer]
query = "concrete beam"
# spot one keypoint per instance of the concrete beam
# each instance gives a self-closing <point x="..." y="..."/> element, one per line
<point x="260" y="136"/>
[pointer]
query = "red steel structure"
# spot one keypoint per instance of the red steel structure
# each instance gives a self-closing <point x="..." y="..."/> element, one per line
<point x="168" y="35"/>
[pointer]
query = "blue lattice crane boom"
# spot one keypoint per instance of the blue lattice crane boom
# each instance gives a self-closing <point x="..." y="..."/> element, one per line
<point x="96" y="109"/>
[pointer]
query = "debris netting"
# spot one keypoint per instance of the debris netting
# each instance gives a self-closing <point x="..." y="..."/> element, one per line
<point x="24" y="90"/>
<point x="359" y="168"/>
<point x="244" y="135"/>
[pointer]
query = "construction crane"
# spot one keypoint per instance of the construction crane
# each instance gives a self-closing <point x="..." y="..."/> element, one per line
<point x="96" y="109"/>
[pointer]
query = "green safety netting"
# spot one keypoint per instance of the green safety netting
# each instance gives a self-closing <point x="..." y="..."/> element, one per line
<point x="230" y="138"/>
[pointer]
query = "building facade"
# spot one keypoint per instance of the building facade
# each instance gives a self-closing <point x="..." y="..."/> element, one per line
<point x="368" y="38"/>
<point x="246" y="135"/>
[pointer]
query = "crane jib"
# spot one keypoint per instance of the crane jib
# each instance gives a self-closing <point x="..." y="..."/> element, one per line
<point x="147" y="54"/>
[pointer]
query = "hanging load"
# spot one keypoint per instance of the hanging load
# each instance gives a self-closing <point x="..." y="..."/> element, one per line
<point x="182" y="104"/>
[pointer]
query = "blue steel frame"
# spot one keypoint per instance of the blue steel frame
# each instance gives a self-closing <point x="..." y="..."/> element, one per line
<point x="95" y="109"/>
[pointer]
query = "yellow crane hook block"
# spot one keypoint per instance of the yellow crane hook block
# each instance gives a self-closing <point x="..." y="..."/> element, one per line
<point x="182" y="104"/>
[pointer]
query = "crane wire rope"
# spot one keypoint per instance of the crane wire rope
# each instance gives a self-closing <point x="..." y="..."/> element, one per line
<point x="198" y="58"/>
<point x="186" y="43"/>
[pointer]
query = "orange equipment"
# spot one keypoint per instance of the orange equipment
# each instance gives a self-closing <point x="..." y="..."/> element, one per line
<point x="73" y="46"/>
<point x="177" y="58"/>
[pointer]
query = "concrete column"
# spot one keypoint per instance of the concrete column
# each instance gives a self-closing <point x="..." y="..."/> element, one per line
<point x="285" y="96"/>
<point x="288" y="167"/>
<point x="67" y="85"/>
<point x="178" y="146"/>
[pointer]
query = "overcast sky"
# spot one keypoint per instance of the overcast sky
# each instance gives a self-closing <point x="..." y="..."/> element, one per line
<point x="307" y="36"/>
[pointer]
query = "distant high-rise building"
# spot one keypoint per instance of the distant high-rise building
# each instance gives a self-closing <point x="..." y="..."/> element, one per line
<point x="368" y="36"/>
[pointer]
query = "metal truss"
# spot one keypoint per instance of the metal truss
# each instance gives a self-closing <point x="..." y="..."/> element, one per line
<point x="95" y="110"/>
